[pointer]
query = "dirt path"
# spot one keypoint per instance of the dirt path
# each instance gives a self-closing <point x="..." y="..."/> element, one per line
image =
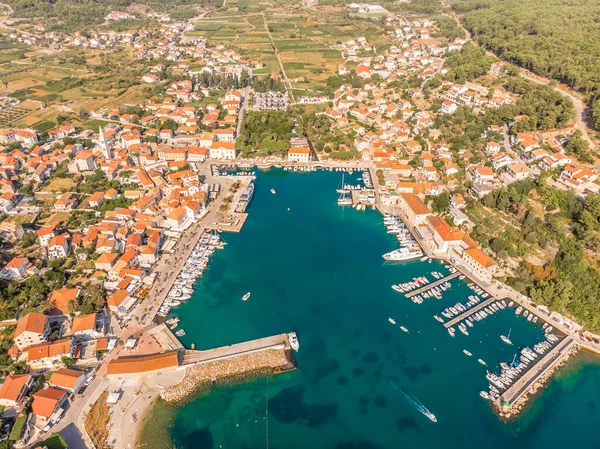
<point x="276" y="50"/>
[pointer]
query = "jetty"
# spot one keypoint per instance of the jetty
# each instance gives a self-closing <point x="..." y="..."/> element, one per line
<point x="165" y="338"/>
<point x="433" y="284"/>
<point x="469" y="312"/>
<point x="545" y="364"/>
<point x="280" y="342"/>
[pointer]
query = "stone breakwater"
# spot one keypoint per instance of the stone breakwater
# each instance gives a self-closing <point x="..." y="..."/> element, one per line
<point x="511" y="412"/>
<point x="201" y="376"/>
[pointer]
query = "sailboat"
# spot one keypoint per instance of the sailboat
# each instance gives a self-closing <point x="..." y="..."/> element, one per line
<point x="343" y="200"/>
<point x="342" y="187"/>
<point x="506" y="339"/>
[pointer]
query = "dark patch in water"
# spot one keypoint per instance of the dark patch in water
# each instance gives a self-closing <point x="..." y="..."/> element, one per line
<point x="199" y="438"/>
<point x="324" y="370"/>
<point x="357" y="334"/>
<point x="381" y="402"/>
<point x="342" y="380"/>
<point x="389" y="355"/>
<point x="377" y="374"/>
<point x="355" y="353"/>
<point x="316" y="309"/>
<point x="386" y="336"/>
<point x="425" y="369"/>
<point x="288" y="406"/>
<point x="592" y="405"/>
<point x="412" y="372"/>
<point x="370" y="357"/>
<point x="363" y="411"/>
<point x="357" y="372"/>
<point x="406" y="423"/>
<point x="401" y="358"/>
<point x="363" y="401"/>
<point x="358" y="445"/>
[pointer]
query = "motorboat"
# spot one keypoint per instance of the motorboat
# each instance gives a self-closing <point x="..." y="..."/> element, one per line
<point x="180" y="333"/>
<point x="246" y="296"/>
<point x="404" y="329"/>
<point x="467" y="352"/>
<point x="293" y="339"/>
<point x="506" y="339"/>
<point x="391" y="320"/>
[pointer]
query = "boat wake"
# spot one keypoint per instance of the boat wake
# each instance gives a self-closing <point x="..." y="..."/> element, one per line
<point x="411" y="400"/>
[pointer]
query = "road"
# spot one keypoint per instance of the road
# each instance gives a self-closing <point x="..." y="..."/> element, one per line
<point x="288" y="85"/>
<point x="582" y="111"/>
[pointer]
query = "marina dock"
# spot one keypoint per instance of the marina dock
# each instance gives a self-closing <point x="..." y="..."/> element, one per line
<point x="280" y="342"/>
<point x="545" y="364"/>
<point x="163" y="335"/>
<point x="432" y="285"/>
<point x="469" y="312"/>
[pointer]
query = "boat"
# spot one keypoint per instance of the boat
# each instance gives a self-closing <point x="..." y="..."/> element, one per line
<point x="438" y="318"/>
<point x="482" y="362"/>
<point x="245" y="198"/>
<point x="343" y="200"/>
<point x="467" y="352"/>
<point x="404" y="329"/>
<point x="246" y="296"/>
<point x="431" y="416"/>
<point x="506" y="339"/>
<point x="180" y="333"/>
<point x="484" y="394"/>
<point x="293" y="339"/>
<point x="402" y="254"/>
<point x="391" y="320"/>
<point x="273" y="191"/>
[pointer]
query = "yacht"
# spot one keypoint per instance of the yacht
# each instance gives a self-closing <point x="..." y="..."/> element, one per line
<point x="273" y="191"/>
<point x="293" y="339"/>
<point x="246" y="296"/>
<point x="403" y="254"/>
<point x="245" y="198"/>
<point x="467" y="352"/>
<point x="482" y="362"/>
<point x="506" y="339"/>
<point x="343" y="200"/>
<point x="431" y="416"/>
<point x="391" y="320"/>
<point x="180" y="333"/>
<point x="404" y="329"/>
<point x="438" y="318"/>
<point x="484" y="394"/>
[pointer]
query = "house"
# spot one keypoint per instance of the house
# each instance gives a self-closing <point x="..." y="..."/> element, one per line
<point x="518" y="171"/>
<point x="178" y="218"/>
<point x="84" y="325"/>
<point x="576" y="178"/>
<point x="46" y="355"/>
<point x="492" y="148"/>
<point x="83" y="162"/>
<point x="498" y="68"/>
<point x="47" y="402"/>
<point x="481" y="175"/>
<point x="222" y="150"/>
<point x="15" y="269"/>
<point x="479" y="263"/>
<point x="32" y="329"/>
<point x="14" y="389"/>
<point x="96" y="199"/>
<point x="67" y="379"/>
<point x="448" y="107"/>
<point x="45" y="235"/>
<point x="457" y="201"/>
<point x="119" y="301"/>
<point x="142" y="364"/>
<point x="299" y="155"/>
<point x="413" y="208"/>
<point x="26" y="137"/>
<point x="58" y="247"/>
<point x="62" y="300"/>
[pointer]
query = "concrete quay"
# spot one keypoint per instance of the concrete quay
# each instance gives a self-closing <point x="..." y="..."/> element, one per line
<point x="471" y="311"/>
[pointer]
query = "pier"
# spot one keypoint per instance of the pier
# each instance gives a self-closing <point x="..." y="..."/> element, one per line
<point x="167" y="340"/>
<point x="280" y="342"/>
<point x="469" y="312"/>
<point x="545" y="364"/>
<point x="432" y="285"/>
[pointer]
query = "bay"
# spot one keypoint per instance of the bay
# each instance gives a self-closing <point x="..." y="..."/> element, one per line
<point x="316" y="268"/>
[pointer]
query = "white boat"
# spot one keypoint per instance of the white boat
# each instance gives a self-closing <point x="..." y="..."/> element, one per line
<point x="404" y="329"/>
<point x="403" y="254"/>
<point x="293" y="339"/>
<point x="343" y="200"/>
<point x="506" y="339"/>
<point x="180" y="333"/>
<point x="482" y="362"/>
<point x="438" y="318"/>
<point x="467" y="352"/>
<point x="484" y="394"/>
<point x="273" y="191"/>
<point x="246" y="296"/>
<point x="391" y="320"/>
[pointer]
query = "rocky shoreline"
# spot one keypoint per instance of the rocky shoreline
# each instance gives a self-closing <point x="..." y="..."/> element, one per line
<point x="201" y="377"/>
<point x="517" y="407"/>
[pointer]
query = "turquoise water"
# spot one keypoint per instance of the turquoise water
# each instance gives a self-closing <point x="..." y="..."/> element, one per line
<point x="317" y="269"/>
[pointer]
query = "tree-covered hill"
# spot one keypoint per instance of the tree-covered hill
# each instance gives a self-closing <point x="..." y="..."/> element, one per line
<point x="553" y="38"/>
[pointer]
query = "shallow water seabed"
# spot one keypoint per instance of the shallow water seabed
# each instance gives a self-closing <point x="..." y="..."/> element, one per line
<point x="317" y="269"/>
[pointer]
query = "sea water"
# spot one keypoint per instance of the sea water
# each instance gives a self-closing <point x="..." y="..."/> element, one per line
<point x="316" y="268"/>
